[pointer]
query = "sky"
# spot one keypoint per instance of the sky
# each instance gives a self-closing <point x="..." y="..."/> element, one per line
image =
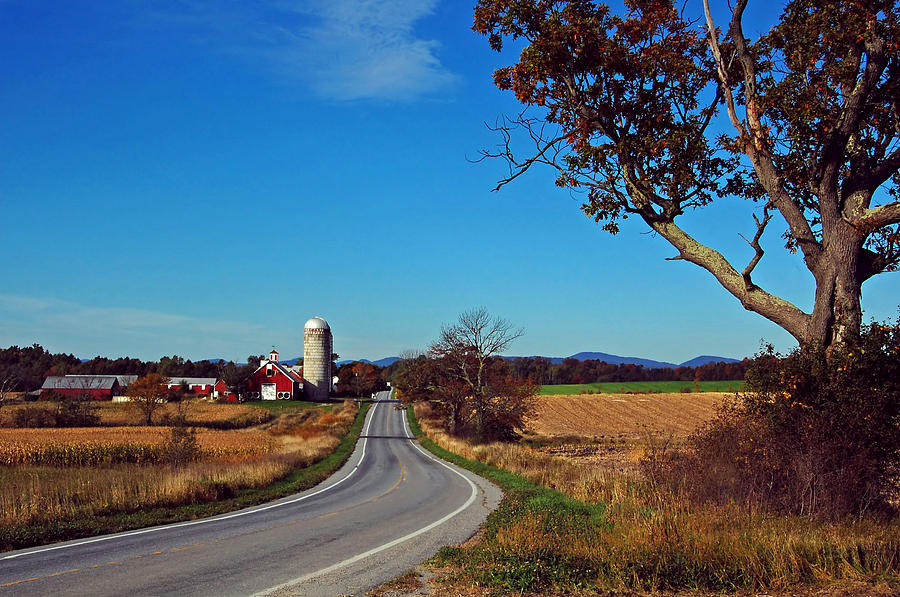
<point x="201" y="177"/>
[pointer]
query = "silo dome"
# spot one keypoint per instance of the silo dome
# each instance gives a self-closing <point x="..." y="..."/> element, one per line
<point x="316" y="323"/>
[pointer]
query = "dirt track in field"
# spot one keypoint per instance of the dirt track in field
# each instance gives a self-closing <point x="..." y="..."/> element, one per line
<point x="599" y="415"/>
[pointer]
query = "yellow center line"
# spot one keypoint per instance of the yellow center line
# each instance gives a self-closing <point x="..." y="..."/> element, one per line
<point x="66" y="572"/>
<point x="18" y="582"/>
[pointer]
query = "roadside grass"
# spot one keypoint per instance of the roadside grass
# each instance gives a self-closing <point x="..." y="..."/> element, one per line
<point x="642" y="387"/>
<point x="41" y="505"/>
<point x="564" y="526"/>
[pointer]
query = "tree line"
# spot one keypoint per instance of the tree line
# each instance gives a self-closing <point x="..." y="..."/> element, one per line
<point x="543" y="371"/>
<point x="25" y="368"/>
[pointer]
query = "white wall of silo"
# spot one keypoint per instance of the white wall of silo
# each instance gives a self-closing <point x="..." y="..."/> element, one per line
<point x="317" y="349"/>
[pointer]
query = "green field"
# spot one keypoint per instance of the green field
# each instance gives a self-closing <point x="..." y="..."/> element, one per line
<point x="642" y="387"/>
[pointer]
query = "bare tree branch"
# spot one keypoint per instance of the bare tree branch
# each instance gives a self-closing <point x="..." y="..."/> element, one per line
<point x="760" y="228"/>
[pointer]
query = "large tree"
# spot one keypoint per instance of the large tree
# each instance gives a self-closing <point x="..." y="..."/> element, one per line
<point x="148" y="394"/>
<point x="652" y="114"/>
<point x="469" y="352"/>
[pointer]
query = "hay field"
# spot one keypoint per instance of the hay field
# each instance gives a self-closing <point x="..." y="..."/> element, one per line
<point x="595" y="416"/>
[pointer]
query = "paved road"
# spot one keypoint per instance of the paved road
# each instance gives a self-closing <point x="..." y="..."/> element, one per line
<point x="391" y="506"/>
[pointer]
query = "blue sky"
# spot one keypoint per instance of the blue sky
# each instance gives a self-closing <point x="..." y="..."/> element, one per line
<point x="200" y="178"/>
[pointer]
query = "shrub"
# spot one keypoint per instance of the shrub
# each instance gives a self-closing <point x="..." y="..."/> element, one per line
<point x="34" y="416"/>
<point x="76" y="411"/>
<point x="181" y="447"/>
<point x="815" y="433"/>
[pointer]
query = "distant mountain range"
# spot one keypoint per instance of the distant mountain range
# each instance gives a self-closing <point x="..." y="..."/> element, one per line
<point x="386" y="361"/>
<point x="612" y="359"/>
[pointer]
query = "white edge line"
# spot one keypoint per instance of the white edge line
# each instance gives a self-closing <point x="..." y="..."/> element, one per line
<point x="389" y="544"/>
<point x="178" y="525"/>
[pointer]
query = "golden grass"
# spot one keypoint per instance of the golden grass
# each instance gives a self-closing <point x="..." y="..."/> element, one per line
<point x="647" y="540"/>
<point x="232" y="460"/>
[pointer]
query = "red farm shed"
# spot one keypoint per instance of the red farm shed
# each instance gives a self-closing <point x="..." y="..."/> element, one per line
<point x="99" y="387"/>
<point x="195" y="385"/>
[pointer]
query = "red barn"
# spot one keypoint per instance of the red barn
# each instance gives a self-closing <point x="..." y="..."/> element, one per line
<point x="195" y="385"/>
<point x="221" y="392"/>
<point x="99" y="387"/>
<point x="274" y="381"/>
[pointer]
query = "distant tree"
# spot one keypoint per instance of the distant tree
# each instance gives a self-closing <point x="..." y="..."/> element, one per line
<point x="476" y="389"/>
<point x="631" y="107"/>
<point x="171" y="366"/>
<point x="468" y="346"/>
<point x="236" y="377"/>
<point x="148" y="394"/>
<point x="436" y="382"/>
<point x="9" y="381"/>
<point x="358" y="379"/>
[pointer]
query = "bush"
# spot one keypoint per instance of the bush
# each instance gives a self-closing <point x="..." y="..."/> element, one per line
<point x="815" y="433"/>
<point x="181" y="447"/>
<point x="77" y="411"/>
<point x="34" y="416"/>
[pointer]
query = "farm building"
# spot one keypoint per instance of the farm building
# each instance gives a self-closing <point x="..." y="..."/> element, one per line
<point x="100" y="387"/>
<point x="274" y="381"/>
<point x="221" y="392"/>
<point x="195" y="385"/>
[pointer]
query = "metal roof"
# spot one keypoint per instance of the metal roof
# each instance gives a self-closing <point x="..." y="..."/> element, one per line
<point x="79" y="382"/>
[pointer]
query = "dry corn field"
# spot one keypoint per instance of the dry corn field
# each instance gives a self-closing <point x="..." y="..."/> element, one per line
<point x="90" y="446"/>
<point x="122" y="413"/>
<point x="73" y="473"/>
<point x="622" y="414"/>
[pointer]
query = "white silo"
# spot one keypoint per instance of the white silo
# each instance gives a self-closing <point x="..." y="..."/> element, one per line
<point x="317" y="360"/>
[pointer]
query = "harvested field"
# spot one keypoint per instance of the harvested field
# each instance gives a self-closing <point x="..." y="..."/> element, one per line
<point x="597" y="416"/>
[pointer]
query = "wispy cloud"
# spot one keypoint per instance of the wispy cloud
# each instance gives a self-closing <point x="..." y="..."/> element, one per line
<point x="342" y="50"/>
<point x="64" y="325"/>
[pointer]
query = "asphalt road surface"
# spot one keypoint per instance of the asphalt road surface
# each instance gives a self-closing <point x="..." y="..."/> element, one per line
<point x="390" y="507"/>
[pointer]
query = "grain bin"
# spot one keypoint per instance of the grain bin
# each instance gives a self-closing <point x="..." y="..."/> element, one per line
<point x="317" y="360"/>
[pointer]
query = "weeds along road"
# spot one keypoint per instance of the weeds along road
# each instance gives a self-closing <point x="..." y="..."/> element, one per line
<point x="390" y="507"/>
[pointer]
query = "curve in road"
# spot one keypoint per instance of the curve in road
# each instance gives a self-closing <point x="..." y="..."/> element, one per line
<point x="388" y="508"/>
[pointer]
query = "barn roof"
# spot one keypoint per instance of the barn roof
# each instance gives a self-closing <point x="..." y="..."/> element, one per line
<point x="80" y="382"/>
<point x="286" y="371"/>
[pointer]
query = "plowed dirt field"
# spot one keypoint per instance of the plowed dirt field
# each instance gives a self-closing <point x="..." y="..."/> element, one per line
<point x="598" y="415"/>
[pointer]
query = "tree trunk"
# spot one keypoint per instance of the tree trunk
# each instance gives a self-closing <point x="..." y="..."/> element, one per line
<point x="479" y="416"/>
<point x="837" y="315"/>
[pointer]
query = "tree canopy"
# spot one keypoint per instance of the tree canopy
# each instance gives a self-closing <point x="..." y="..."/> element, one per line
<point x="474" y="389"/>
<point x="652" y="114"/>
